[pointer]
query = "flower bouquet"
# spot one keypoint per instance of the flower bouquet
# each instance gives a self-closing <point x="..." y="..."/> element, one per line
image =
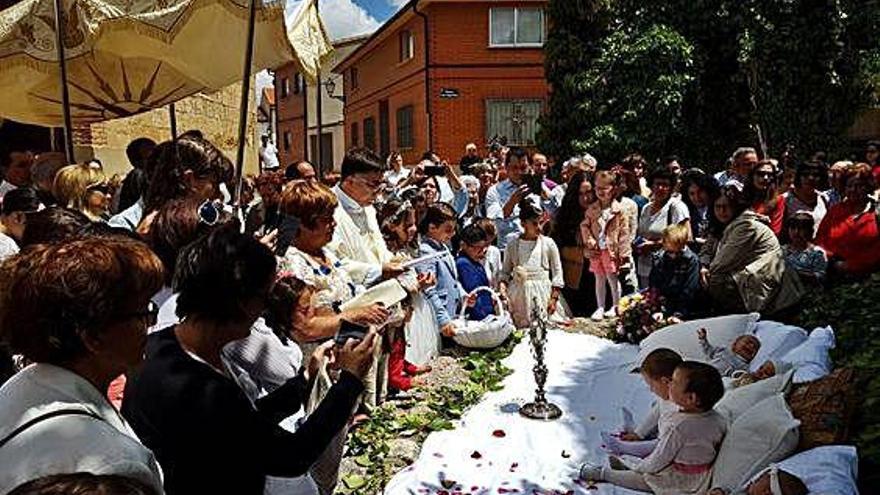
<point x="639" y="315"/>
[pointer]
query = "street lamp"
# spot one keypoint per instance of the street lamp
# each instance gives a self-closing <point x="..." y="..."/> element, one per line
<point x="330" y="86"/>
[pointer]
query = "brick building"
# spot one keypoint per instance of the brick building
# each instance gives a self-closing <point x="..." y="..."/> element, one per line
<point x="442" y="73"/>
<point x="296" y="102"/>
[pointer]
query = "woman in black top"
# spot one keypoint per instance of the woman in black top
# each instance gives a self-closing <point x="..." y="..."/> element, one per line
<point x="185" y="406"/>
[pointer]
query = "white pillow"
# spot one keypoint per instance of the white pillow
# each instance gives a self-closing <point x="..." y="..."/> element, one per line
<point x="827" y="470"/>
<point x="682" y="337"/>
<point x="739" y="400"/>
<point x="764" y="434"/>
<point x="811" y="360"/>
<point x="777" y="340"/>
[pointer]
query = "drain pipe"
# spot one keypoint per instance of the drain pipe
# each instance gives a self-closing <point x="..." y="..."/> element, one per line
<point x="428" y="105"/>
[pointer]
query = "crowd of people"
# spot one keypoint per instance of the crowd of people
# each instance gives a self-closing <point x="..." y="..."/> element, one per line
<point x="151" y="323"/>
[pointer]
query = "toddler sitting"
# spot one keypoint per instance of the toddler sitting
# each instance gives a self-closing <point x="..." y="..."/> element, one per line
<point x="656" y="371"/>
<point x="729" y="361"/>
<point x="681" y="463"/>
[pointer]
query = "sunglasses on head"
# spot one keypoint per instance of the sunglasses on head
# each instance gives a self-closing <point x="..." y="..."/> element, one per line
<point x="101" y="188"/>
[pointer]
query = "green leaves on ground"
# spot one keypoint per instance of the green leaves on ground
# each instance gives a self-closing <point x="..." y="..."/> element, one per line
<point x="369" y="445"/>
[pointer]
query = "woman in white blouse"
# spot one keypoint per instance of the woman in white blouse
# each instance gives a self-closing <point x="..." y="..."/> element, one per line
<point x="79" y="311"/>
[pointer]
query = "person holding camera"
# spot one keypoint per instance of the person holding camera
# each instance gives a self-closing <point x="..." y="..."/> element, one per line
<point x="503" y="199"/>
<point x="186" y="407"/>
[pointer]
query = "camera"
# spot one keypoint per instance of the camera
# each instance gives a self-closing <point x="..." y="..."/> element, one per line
<point x="350" y="330"/>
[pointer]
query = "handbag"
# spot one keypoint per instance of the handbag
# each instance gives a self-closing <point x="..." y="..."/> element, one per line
<point x="487" y="333"/>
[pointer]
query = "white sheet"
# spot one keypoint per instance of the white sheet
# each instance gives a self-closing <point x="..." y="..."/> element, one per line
<point x="588" y="379"/>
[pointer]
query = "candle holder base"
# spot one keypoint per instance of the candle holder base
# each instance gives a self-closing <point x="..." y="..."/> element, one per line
<point x="540" y="410"/>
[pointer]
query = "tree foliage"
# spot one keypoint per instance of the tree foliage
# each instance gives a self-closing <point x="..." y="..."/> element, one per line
<point x="700" y="77"/>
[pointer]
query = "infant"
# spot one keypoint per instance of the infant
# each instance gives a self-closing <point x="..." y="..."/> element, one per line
<point x="729" y="361"/>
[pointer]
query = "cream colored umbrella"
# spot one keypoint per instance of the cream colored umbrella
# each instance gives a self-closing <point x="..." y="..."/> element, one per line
<point x="124" y="57"/>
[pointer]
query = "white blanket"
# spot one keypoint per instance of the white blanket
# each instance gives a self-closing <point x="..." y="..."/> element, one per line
<point x="588" y="378"/>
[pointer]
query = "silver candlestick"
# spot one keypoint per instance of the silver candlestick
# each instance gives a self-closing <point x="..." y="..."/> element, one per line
<point x="540" y="408"/>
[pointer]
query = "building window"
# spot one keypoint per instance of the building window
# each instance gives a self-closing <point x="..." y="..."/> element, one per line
<point x="516" y="27"/>
<point x="285" y="87"/>
<point x="353" y="77"/>
<point x="355" y="135"/>
<point x="287" y="141"/>
<point x="405" y="127"/>
<point x="517" y="120"/>
<point x="370" y="133"/>
<point x="298" y="83"/>
<point x="407" y="45"/>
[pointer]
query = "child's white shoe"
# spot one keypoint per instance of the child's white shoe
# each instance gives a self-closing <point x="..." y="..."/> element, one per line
<point x="590" y="472"/>
<point x="598" y="315"/>
<point x="611" y="313"/>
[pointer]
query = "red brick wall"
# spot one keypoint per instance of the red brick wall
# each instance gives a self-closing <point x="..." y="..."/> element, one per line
<point x="290" y="117"/>
<point x="462" y="120"/>
<point x="460" y="59"/>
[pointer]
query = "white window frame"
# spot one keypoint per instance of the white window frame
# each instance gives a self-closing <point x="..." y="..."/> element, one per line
<point x="515" y="44"/>
<point x="512" y="141"/>
<point x="410" y="47"/>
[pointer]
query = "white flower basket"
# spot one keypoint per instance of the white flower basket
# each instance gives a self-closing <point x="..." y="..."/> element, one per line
<point x="487" y="333"/>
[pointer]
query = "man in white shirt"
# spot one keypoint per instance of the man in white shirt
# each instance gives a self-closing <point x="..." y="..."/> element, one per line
<point x="13" y="218"/>
<point x="16" y="167"/>
<point x="357" y="240"/>
<point x="269" y="154"/>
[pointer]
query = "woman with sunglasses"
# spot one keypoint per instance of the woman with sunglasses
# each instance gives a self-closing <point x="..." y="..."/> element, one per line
<point x="762" y="192"/>
<point x="84" y="188"/>
<point x="79" y="310"/>
<point x="809" y="179"/>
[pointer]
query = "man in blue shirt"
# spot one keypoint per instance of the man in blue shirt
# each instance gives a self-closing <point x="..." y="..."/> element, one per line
<point x="502" y="198"/>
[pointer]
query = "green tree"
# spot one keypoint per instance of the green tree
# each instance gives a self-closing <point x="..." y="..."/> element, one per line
<point x="808" y="62"/>
<point x="576" y="29"/>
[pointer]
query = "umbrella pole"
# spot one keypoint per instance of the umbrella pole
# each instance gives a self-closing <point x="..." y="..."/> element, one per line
<point x="245" y="96"/>
<point x="65" y="95"/>
<point x="172" y="118"/>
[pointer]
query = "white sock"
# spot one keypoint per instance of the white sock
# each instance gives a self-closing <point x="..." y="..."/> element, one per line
<point x="600" y="291"/>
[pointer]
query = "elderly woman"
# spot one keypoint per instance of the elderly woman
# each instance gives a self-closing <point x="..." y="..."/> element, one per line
<point x="849" y="232"/>
<point x="184" y="402"/>
<point x="663" y="210"/>
<point x="79" y="311"/>
<point x="748" y="271"/>
<point x="565" y="231"/>
<point x="84" y="188"/>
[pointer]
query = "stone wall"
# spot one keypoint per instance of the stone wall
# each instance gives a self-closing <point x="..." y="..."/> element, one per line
<point x="215" y="114"/>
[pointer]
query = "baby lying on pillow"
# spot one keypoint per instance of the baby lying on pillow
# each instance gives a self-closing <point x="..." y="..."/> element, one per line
<point x="728" y="361"/>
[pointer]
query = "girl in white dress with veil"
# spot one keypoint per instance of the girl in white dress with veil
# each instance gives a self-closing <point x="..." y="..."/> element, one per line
<point x="532" y="271"/>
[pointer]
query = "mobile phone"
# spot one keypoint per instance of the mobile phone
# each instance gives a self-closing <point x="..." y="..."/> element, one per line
<point x="350" y="330"/>
<point x="435" y="171"/>
<point x="533" y="182"/>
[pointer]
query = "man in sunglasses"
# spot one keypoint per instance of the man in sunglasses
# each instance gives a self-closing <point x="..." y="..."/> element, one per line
<point x="357" y="240"/>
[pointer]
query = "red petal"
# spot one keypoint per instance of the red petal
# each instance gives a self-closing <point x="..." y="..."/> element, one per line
<point x="499" y="434"/>
<point x="476" y="455"/>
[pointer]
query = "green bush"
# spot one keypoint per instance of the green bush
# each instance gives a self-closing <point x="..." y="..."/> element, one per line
<point x="852" y="311"/>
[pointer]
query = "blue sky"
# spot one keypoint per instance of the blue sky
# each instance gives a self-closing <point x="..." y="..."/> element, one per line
<point x="345" y="18"/>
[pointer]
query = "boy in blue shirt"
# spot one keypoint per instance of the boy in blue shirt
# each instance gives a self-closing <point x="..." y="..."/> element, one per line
<point x="471" y="272"/>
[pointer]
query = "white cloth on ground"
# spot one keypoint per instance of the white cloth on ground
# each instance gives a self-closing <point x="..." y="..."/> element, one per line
<point x="589" y="379"/>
